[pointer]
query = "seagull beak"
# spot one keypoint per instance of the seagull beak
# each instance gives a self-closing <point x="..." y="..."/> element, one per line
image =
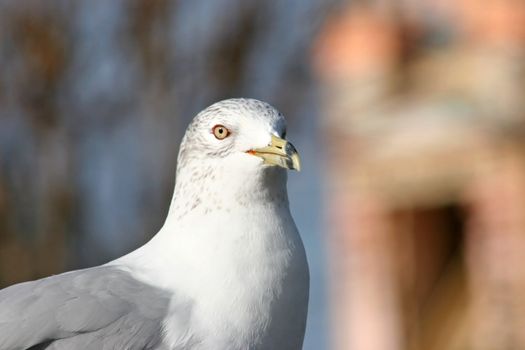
<point x="279" y="152"/>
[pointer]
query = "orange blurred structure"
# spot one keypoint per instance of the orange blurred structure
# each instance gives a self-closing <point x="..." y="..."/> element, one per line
<point x="425" y="135"/>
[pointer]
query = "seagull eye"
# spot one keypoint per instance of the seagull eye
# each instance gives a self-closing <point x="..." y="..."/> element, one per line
<point x="220" y="132"/>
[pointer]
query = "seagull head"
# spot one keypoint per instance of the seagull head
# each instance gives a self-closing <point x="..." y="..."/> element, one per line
<point x="234" y="154"/>
<point x="241" y="132"/>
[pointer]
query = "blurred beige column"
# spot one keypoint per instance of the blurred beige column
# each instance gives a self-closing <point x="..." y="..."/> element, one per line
<point x="365" y="309"/>
<point x="356" y="56"/>
<point x="496" y="255"/>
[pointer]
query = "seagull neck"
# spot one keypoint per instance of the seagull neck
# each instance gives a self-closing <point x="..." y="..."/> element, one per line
<point x="206" y="189"/>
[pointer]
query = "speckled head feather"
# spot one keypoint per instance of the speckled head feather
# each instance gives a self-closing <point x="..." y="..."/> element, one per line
<point x="203" y="159"/>
<point x="241" y="116"/>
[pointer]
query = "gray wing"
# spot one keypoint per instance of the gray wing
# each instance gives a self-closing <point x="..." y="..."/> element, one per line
<point x="97" y="308"/>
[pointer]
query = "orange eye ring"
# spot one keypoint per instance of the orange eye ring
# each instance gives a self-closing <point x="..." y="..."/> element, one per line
<point x="220" y="132"/>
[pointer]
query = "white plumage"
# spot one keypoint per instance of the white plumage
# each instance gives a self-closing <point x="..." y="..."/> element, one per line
<point x="226" y="271"/>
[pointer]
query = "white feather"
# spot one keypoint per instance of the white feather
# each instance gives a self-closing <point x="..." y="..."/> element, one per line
<point x="229" y="249"/>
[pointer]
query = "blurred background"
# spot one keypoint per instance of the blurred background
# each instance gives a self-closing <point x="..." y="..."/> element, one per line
<point x="409" y="116"/>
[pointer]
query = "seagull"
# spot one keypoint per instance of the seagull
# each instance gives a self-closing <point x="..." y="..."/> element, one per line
<point x="227" y="270"/>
